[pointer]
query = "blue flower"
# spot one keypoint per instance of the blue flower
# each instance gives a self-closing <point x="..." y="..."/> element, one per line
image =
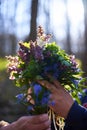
<point x="21" y="98"/>
<point x="36" y="60"/>
<point x="37" y="89"/>
<point x="44" y="101"/>
<point x="41" y="95"/>
<point x="30" y="108"/>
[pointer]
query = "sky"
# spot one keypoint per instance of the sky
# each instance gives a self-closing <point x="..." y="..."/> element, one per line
<point x="75" y="14"/>
<point x="76" y="19"/>
<point x="56" y="22"/>
<point x="57" y="17"/>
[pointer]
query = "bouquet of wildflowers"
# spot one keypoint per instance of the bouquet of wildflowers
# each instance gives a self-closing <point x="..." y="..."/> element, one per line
<point x="35" y="60"/>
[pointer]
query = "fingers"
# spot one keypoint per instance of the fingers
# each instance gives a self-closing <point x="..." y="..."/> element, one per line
<point x="40" y="126"/>
<point x="43" y="126"/>
<point x="55" y="81"/>
<point x="53" y="86"/>
<point x="48" y="85"/>
<point x="40" y="122"/>
<point x="57" y="84"/>
<point x="39" y="118"/>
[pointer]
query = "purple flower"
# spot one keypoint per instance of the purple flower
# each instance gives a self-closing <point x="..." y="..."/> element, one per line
<point x="36" y="51"/>
<point x="73" y="61"/>
<point x="36" y="60"/>
<point x="23" y="55"/>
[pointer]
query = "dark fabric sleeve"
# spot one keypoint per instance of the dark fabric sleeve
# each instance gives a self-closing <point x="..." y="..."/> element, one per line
<point x="77" y="118"/>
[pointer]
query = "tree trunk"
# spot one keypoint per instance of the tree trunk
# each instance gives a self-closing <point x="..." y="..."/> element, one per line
<point x="68" y="38"/>
<point x="85" y="37"/>
<point x="85" y="23"/>
<point x="33" y="22"/>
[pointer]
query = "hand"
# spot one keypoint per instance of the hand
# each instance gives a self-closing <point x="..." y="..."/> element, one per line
<point x="39" y="122"/>
<point x="62" y="100"/>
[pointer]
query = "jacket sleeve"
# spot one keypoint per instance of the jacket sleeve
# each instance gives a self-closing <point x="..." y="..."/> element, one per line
<point x="77" y="118"/>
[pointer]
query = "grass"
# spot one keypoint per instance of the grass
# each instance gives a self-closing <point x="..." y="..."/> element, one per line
<point x="3" y="64"/>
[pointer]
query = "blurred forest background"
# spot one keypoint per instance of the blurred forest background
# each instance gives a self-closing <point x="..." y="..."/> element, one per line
<point x="66" y="20"/>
